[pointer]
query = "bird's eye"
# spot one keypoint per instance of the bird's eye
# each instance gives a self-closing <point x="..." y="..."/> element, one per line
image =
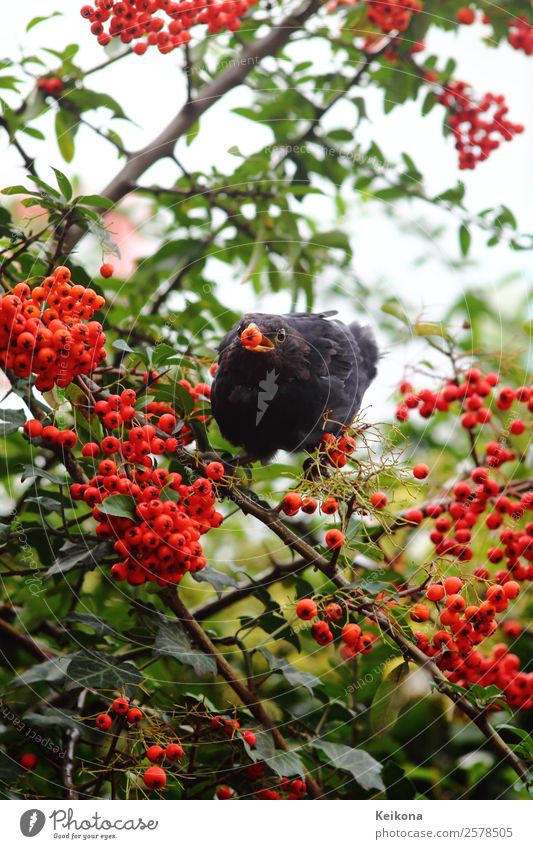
<point x="280" y="335"/>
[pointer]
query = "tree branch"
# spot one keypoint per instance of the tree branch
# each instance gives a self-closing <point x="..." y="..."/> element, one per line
<point x="234" y="75"/>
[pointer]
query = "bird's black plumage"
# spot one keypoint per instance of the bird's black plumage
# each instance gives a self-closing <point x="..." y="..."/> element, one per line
<point x="311" y="381"/>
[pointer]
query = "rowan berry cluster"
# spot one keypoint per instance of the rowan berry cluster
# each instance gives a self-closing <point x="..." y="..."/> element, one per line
<point x="161" y="23"/>
<point x="49" y="435"/>
<point x="47" y="330"/>
<point x="395" y="15"/>
<point x="478" y="126"/>
<point x="464" y="627"/>
<point x="354" y="641"/>
<point x="161" y="542"/>
<point x="521" y="35"/>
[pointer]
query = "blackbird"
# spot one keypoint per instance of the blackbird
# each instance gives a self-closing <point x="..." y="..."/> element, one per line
<point x="285" y="380"/>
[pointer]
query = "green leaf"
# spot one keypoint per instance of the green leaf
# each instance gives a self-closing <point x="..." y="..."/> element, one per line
<point x="422" y="328"/>
<point x="98" y="625"/>
<point x="365" y="769"/>
<point x="78" y="555"/>
<point x="119" y="505"/>
<point x="101" y="672"/>
<point x="217" y="579"/>
<point x="295" y="677"/>
<point x="171" y="639"/>
<point x="388" y="700"/>
<point x="29" y="471"/>
<point x="35" y="21"/>
<point x="392" y="306"/>
<point x="66" y="125"/>
<point x="98" y="201"/>
<point x="52" y="671"/>
<point x="16" y="190"/>
<point x="465" y="238"/>
<point x="11" y="420"/>
<point x="64" y="184"/>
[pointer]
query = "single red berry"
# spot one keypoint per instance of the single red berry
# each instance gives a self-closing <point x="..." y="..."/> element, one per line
<point x="134" y="715"/>
<point x="155" y="778"/>
<point x="103" y="721"/>
<point x="351" y="633"/>
<point x="214" y="471"/>
<point x="155" y="754"/>
<point x="33" y="428"/>
<point x="334" y="539"/>
<point x="224" y="793"/>
<point x="120" y="705"/>
<point x="306" y="609"/>
<point x="174" y="752"/>
<point x="333" y="611"/>
<point x="28" y="760"/>
<point x="106" y="270"/>
<point x="249" y="738"/>
<point x="465" y="15"/>
<point x="379" y="500"/>
<point x="453" y="585"/>
<point x="420" y="613"/>
<point x="435" y="592"/>
<point x="421" y="471"/>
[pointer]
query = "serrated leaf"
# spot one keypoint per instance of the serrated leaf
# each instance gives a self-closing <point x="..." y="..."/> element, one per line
<point x="71" y="556"/>
<point x="217" y="579"/>
<point x="101" y="672"/>
<point x="295" y="677"/>
<point x="365" y="769"/>
<point x="172" y="640"/>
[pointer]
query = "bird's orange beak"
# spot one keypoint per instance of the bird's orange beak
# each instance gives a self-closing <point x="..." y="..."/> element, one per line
<point x="253" y="340"/>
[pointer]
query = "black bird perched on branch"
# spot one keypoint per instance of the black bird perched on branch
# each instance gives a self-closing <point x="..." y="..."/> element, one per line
<point x="285" y="380"/>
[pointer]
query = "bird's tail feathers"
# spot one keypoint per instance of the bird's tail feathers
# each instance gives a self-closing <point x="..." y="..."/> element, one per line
<point x="368" y="348"/>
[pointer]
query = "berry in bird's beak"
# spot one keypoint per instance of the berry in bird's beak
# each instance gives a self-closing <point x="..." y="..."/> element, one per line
<point x="253" y="340"/>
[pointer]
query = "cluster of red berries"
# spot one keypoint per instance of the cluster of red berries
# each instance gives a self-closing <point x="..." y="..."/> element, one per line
<point x="294" y="502"/>
<point x="464" y="626"/>
<point x="49" y="435"/>
<point x="120" y="707"/>
<point x="476" y="124"/>
<point x="119" y="412"/>
<point x="133" y="20"/>
<point x="354" y="640"/>
<point x="336" y="449"/>
<point x="474" y="399"/>
<point x="521" y="35"/>
<point x="286" y="789"/>
<point x="48" y="331"/>
<point x="162" y="542"/>
<point x="395" y="15"/>
<point x="52" y="86"/>
<point x="154" y="777"/>
<point x="232" y="728"/>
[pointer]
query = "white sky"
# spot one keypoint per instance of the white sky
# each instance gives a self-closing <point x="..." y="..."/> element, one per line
<point x="150" y="88"/>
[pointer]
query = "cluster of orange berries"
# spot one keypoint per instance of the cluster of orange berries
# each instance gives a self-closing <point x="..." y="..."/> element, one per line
<point x="119" y="411"/>
<point x="162" y="542"/>
<point x="521" y="35"/>
<point x="142" y="21"/>
<point x="395" y="15"/>
<point x="294" y="502"/>
<point x="474" y="396"/>
<point x="464" y="626"/>
<point x="354" y="640"/>
<point x="50" y="435"/>
<point x="478" y="126"/>
<point x="48" y="331"/>
<point x="154" y="777"/>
